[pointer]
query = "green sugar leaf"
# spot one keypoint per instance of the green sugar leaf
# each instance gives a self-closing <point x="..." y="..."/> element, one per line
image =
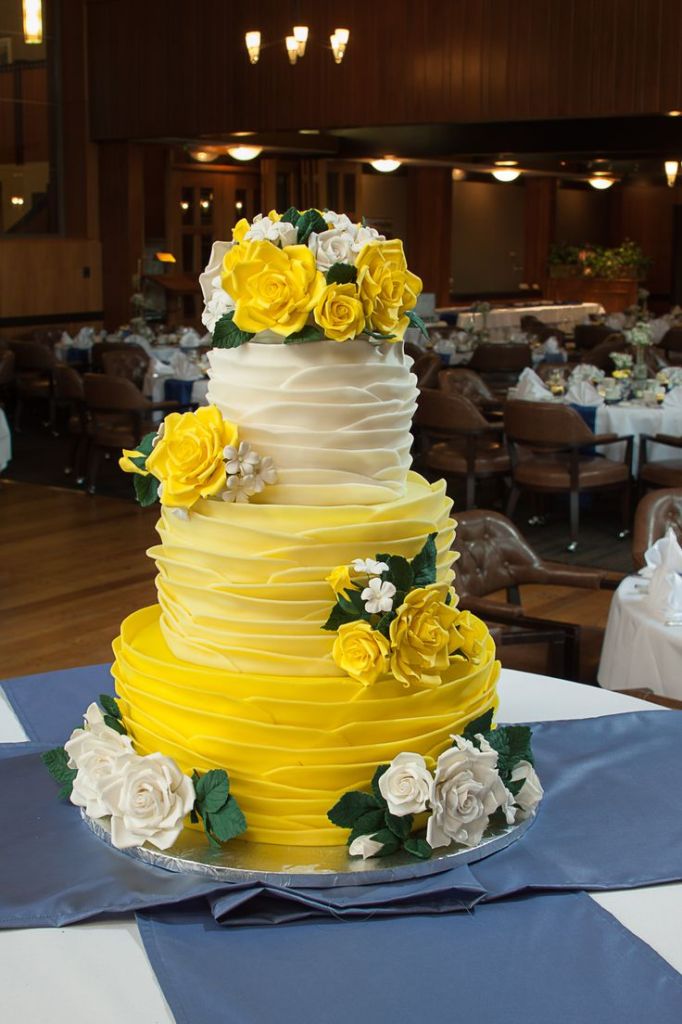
<point x="353" y="605"/>
<point x="308" y="222"/>
<point x="212" y="791"/>
<point x="400" y="826"/>
<point x="57" y="763"/>
<point x="513" y="744"/>
<point x="384" y="624"/>
<point x="311" y="332"/>
<point x="350" y="807"/>
<point x="424" y="563"/>
<point x="375" y="783"/>
<point x="482" y="724"/>
<point x="379" y="336"/>
<point x="399" y="573"/>
<point x="228" y="822"/>
<point x="416" y="321"/>
<point x="366" y="824"/>
<point x="417" y="848"/>
<point x="516" y="787"/>
<point x="339" y="617"/>
<point x="390" y="844"/>
<point x="146" y="444"/>
<point x="109" y="705"/>
<point x="226" y="334"/>
<point x="116" y="724"/>
<point x="146" y="489"/>
<point x="342" y="273"/>
<point x="291" y="216"/>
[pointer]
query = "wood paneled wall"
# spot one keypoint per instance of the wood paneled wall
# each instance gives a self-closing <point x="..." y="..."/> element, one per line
<point x="49" y="277"/>
<point x="407" y="63"/>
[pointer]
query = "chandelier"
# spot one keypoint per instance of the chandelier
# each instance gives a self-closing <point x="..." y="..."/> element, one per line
<point x="295" y="44"/>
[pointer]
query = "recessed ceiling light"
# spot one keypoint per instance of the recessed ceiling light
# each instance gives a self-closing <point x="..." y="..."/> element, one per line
<point x="244" y="152"/>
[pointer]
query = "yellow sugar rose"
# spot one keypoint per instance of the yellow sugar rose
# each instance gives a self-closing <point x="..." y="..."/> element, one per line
<point x="339" y="312"/>
<point x="128" y="466"/>
<point x="273" y="289"/>
<point x="339" y="580"/>
<point x="361" y="651"/>
<point x="387" y="288"/>
<point x="189" y="460"/>
<point x="423" y="636"/>
<point x="274" y="216"/>
<point x="240" y="229"/>
<point x="471" y="631"/>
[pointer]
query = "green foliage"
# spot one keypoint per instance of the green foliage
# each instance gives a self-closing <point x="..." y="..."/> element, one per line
<point x="220" y="813"/>
<point x="417" y="847"/>
<point x="291" y="216"/>
<point x="116" y="724"/>
<point x="624" y="260"/>
<point x="146" y="489"/>
<point x="384" y="623"/>
<point x="351" y="807"/>
<point x="226" y="334"/>
<point x="109" y="705"/>
<point x="400" y="825"/>
<point x="379" y="336"/>
<point x="212" y="790"/>
<point x="416" y="321"/>
<point x="353" y="605"/>
<point x="308" y="222"/>
<point x="424" y="563"/>
<point x="311" y="332"/>
<point x="339" y="617"/>
<point x="482" y="724"/>
<point x="399" y="573"/>
<point x="57" y="763"/>
<point x="382" y="768"/>
<point x="390" y="843"/>
<point x="147" y="443"/>
<point x="512" y="743"/>
<point x="341" y="273"/>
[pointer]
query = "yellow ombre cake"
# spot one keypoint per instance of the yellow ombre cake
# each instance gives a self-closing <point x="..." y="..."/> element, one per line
<point x="299" y="469"/>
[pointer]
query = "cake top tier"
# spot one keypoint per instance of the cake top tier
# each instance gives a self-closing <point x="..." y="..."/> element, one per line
<point x="308" y="276"/>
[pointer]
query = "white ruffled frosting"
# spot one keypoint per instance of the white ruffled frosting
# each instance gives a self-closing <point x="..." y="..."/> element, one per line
<point x="334" y="417"/>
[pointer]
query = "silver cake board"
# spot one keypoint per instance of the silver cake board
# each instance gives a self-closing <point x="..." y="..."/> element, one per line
<point x="314" y="867"/>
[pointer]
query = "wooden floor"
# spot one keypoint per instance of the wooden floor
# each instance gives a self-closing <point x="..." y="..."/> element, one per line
<point x="73" y="566"/>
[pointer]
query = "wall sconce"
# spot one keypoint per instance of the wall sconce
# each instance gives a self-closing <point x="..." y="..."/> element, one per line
<point x="244" y="152"/>
<point x="671" y="169"/>
<point x="252" y="40"/>
<point x="205" y="204"/>
<point x="17" y="200"/>
<point x="292" y="49"/>
<point x="601" y="181"/>
<point x="184" y="205"/>
<point x="33" y="21"/>
<point x="388" y="164"/>
<point x="301" y="37"/>
<point x="339" y="41"/>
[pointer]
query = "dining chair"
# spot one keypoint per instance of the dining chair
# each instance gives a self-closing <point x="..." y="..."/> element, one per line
<point x="458" y="442"/>
<point x="34" y="366"/>
<point x="495" y="559"/>
<point x="588" y="336"/>
<point x="656" y="511"/>
<point x="661" y="472"/>
<point x="119" y="416"/>
<point x="70" y="396"/>
<point x="130" y="362"/>
<point x="500" y="364"/>
<point x="426" y="369"/>
<point x="459" y="380"/>
<point x="101" y="348"/>
<point x="600" y="355"/>
<point x="413" y="351"/>
<point x="552" y="452"/>
<point x="671" y="344"/>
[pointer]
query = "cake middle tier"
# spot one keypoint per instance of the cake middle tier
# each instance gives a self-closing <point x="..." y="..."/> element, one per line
<point x="242" y="587"/>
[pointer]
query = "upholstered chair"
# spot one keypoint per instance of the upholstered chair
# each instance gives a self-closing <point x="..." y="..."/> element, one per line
<point x="34" y="366"/>
<point x="662" y="472"/>
<point x="459" y="380"/>
<point x="426" y="369"/>
<point x="654" y="514"/>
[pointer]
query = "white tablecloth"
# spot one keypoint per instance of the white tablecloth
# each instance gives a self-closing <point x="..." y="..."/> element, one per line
<point x="639" y="649"/>
<point x="499" y="321"/>
<point x="55" y="974"/>
<point x="5" y="441"/>
<point x="636" y="420"/>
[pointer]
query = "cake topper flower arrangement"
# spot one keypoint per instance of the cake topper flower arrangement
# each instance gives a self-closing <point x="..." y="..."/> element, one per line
<point x="196" y="455"/>
<point x="307" y="276"/>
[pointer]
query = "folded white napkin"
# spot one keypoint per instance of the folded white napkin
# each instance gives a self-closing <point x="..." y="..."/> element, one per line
<point x="190" y="339"/>
<point x="85" y="338"/>
<point x="66" y="340"/>
<point x="586" y="371"/>
<point x="530" y="388"/>
<point x="551" y="345"/>
<point x="658" y="328"/>
<point x="184" y="368"/>
<point x="664" y="597"/>
<point x="673" y="400"/>
<point x="582" y="392"/>
<point x="160" y="369"/>
<point x="666" y="551"/>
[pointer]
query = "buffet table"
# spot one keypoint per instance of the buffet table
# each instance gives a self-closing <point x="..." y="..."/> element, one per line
<point x="639" y="648"/>
<point x="501" y="321"/>
<point x="100" y="971"/>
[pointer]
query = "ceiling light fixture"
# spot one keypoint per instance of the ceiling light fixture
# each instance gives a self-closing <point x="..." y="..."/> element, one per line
<point x="458" y="174"/>
<point x="671" y="169"/>
<point x="17" y="200"/>
<point x="385" y="166"/>
<point x="339" y="40"/>
<point x="506" y="174"/>
<point x="506" y="163"/>
<point x="601" y="181"/>
<point x="252" y="40"/>
<point x="301" y="37"/>
<point x="675" y="113"/>
<point x="204" y="156"/>
<point x="184" y="205"/>
<point x="292" y="49"/>
<point x="33" y="21"/>
<point x="244" y="152"/>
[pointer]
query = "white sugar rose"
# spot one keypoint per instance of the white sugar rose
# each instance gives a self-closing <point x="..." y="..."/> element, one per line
<point x="218" y="305"/>
<point x="467" y="790"/>
<point x="407" y="784"/>
<point x="339" y="220"/>
<point x="333" y="246"/>
<point x="98" y="753"/>
<point x="531" y="793"/>
<point x="148" y="802"/>
<point x="364" y="235"/>
<point x="364" y="846"/>
<point x="278" y="232"/>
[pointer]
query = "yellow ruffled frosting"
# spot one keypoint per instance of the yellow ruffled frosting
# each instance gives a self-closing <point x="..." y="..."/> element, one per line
<point x="243" y="587"/>
<point x="292" y="744"/>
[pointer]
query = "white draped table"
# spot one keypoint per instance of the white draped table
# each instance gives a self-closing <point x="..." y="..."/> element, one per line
<point x="499" y="321"/>
<point x="633" y="418"/>
<point x="639" y="649"/>
<point x="56" y="974"/>
<point x="5" y="441"/>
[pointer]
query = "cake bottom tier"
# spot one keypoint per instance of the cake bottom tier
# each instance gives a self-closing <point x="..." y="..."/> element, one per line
<point x="291" y="746"/>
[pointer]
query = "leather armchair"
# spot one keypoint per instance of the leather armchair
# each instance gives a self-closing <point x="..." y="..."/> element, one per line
<point x="458" y="380"/>
<point x="654" y="514"/>
<point x="500" y="364"/>
<point x="671" y="343"/>
<point x="663" y="472"/>
<point x="550" y="448"/>
<point x="426" y="369"/>
<point x="457" y="441"/>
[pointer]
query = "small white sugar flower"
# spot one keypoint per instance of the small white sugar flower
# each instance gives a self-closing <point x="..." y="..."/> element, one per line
<point x="369" y="566"/>
<point x="180" y="513"/>
<point x="241" y="460"/>
<point x="239" y="488"/>
<point x="267" y="470"/>
<point x="378" y="596"/>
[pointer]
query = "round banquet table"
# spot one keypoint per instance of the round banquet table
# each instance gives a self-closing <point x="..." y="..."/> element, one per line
<point x="635" y="418"/>
<point x="498" y="321"/>
<point x="639" y="649"/>
<point x="56" y="974"/>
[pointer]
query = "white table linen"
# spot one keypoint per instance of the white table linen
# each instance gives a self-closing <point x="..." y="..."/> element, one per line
<point x="56" y="973"/>
<point x="5" y="441"/>
<point x="499" y="321"/>
<point x="639" y="649"/>
<point x="635" y="419"/>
